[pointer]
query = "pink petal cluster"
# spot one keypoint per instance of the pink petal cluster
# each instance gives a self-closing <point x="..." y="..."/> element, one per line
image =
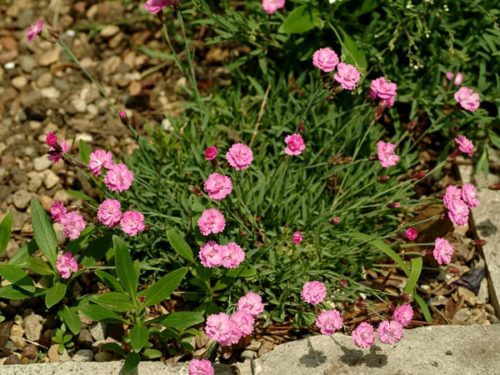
<point x="467" y="98"/>
<point x="221" y="328"/>
<point x="232" y="255"/>
<point x="347" y="76"/>
<point x="51" y="139"/>
<point x="442" y="251"/>
<point x="325" y="59"/>
<point x="384" y="90"/>
<point x="211" y="153"/>
<point x="66" y="264"/>
<point x="244" y="321"/>
<point x="403" y="314"/>
<point x="469" y="194"/>
<point x="294" y="144"/>
<point x="239" y="156"/>
<point x="297" y="237"/>
<point x="211" y="221"/>
<point x="109" y="212"/>
<point x="386" y="155"/>
<point x="200" y="367"/>
<point x="251" y="303"/>
<point x="459" y="78"/>
<point x="271" y="6"/>
<point x="57" y="211"/>
<point x="364" y="335"/>
<point x="313" y="292"/>
<point x="155" y="6"/>
<point x="459" y="201"/>
<point x="329" y="321"/>
<point x="465" y="145"/>
<point x="390" y="332"/>
<point x="56" y="153"/>
<point x="218" y="186"/>
<point x="132" y="223"/>
<point x="73" y="224"/>
<point x="100" y="159"/>
<point x="411" y="234"/>
<point x="118" y="178"/>
<point x="35" y="29"/>
<point x="214" y="255"/>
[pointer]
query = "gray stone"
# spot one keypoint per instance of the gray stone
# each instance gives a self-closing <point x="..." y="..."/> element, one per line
<point x="27" y="63"/>
<point x="33" y="327"/>
<point x="98" y="331"/>
<point x="51" y="179"/>
<point x="83" y="355"/>
<point x="21" y="199"/>
<point x="41" y="163"/>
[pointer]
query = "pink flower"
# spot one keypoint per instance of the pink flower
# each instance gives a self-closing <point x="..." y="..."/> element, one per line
<point x="211" y="221"/>
<point x="329" y="321"/>
<point x="465" y="145"/>
<point x="459" y="78"/>
<point x="467" y="98"/>
<point x="458" y="212"/>
<point x="221" y="328"/>
<point x="35" y="29"/>
<point x="390" y="332"/>
<point x="313" y="292"/>
<point x="244" y="321"/>
<point x="132" y="223"/>
<point x="155" y="6"/>
<point x="469" y="194"/>
<point x="386" y="155"/>
<point x="411" y="234"/>
<point x="297" y="237"/>
<point x="239" y="156"/>
<point x="66" y="264"/>
<point x="451" y="195"/>
<point x="271" y="6"/>
<point x="51" y="139"/>
<point x="200" y="367"/>
<point x="251" y="303"/>
<point x="210" y="254"/>
<point x="73" y="225"/>
<point x="99" y="159"/>
<point x="118" y="178"/>
<point x="211" y="153"/>
<point x="109" y="212"/>
<point x="56" y="153"/>
<point x="384" y="90"/>
<point x="363" y="336"/>
<point x="403" y="314"/>
<point x="294" y="144"/>
<point x="442" y="251"/>
<point x="325" y="59"/>
<point x="57" y="211"/>
<point x="347" y="75"/>
<point x="218" y="186"/>
<point x="232" y="255"/>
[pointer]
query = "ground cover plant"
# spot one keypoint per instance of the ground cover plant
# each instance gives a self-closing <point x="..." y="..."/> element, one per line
<point x="264" y="202"/>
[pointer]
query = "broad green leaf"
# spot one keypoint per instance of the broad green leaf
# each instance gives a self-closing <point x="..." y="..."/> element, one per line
<point x="109" y="280"/>
<point x="494" y="138"/>
<point x="13" y="292"/>
<point x="113" y="347"/>
<point x="131" y="363"/>
<point x="161" y="290"/>
<point x="20" y="256"/>
<point x="303" y="18"/>
<point x="84" y="151"/>
<point x="139" y="336"/>
<point x="151" y="354"/>
<point x="181" y="320"/>
<point x="71" y="319"/>
<point x="17" y="277"/>
<point x="45" y="236"/>
<point x="99" y="314"/>
<point x="114" y="301"/>
<point x="353" y="54"/>
<point x="55" y="294"/>
<point x="482" y="165"/>
<point x="179" y="245"/>
<point x="5" y="230"/>
<point x="38" y="266"/>
<point x="415" y="270"/>
<point x="242" y="271"/>
<point x="125" y="269"/>
<point x="424" y="308"/>
<point x="96" y="250"/>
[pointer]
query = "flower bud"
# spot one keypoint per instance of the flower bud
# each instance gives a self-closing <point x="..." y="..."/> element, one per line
<point x="51" y="139"/>
<point x="124" y="118"/>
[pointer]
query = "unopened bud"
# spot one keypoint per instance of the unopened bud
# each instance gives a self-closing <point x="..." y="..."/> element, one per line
<point x="394" y="205"/>
<point x="51" y="139"/>
<point x="383" y="178"/>
<point x="195" y="190"/>
<point x="124" y="118"/>
<point x="494" y="187"/>
<point x="301" y="127"/>
<point x="419" y="175"/>
<point x="335" y="220"/>
<point x="480" y="242"/>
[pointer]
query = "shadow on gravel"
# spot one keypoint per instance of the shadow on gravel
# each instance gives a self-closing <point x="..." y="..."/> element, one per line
<point x="313" y="358"/>
<point x="355" y="357"/>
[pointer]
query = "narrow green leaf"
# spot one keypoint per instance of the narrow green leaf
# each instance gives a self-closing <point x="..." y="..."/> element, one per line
<point x="416" y="269"/>
<point x="99" y="314"/>
<point x="131" y="363"/>
<point x="5" y="230"/>
<point x="84" y="151"/>
<point x="109" y="280"/>
<point x="114" y="301"/>
<point x="17" y="277"/>
<point x="303" y="18"/>
<point x="181" y="320"/>
<point x="424" y="308"/>
<point x="125" y="269"/>
<point x="242" y="271"/>
<point x="71" y="319"/>
<point x="353" y="54"/>
<point x="55" y="294"/>
<point x="180" y="245"/>
<point x="45" y="236"/>
<point x="20" y="256"/>
<point x="79" y="195"/>
<point x="482" y="166"/>
<point x="139" y="336"/>
<point x="161" y="290"/>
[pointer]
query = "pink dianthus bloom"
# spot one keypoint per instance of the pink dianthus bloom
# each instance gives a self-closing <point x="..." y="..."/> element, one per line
<point x="211" y="153"/>
<point x="458" y="212"/>
<point x="294" y="144"/>
<point x="109" y="212"/>
<point x="155" y="6"/>
<point x="239" y="156"/>
<point x="384" y="90"/>
<point x="132" y="223"/>
<point x="66" y="264"/>
<point x="232" y="255"/>
<point x="35" y="29"/>
<point x="313" y="292"/>
<point x="363" y="336"/>
<point x="452" y="193"/>
<point x="459" y="78"/>
<point x="251" y="303"/>
<point x="390" y="332"/>
<point x="329" y="321"/>
<point x="386" y="155"/>
<point x="325" y="59"/>
<point x="99" y="159"/>
<point x="347" y="75"/>
<point x="467" y="98"/>
<point x="57" y="211"/>
<point x="51" y="139"/>
<point x="297" y="237"/>
<point x="211" y="254"/>
<point x="221" y="328"/>
<point x="411" y="234"/>
<point x="73" y="225"/>
<point x="469" y="194"/>
<point x="200" y="367"/>
<point x="211" y="221"/>
<point x="271" y="6"/>
<point x="403" y="314"/>
<point x="118" y="177"/>
<point x="442" y="251"/>
<point x="218" y="186"/>
<point x="244" y="321"/>
<point x="56" y="153"/>
<point x="465" y="145"/>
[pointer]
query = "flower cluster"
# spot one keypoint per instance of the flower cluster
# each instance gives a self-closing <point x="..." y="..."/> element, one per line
<point x="411" y="234"/>
<point x="442" y="250"/>
<point x="239" y="156"/>
<point x="384" y="90"/>
<point x="389" y="332"/>
<point x="386" y="154"/>
<point x="218" y="186"/>
<point x="467" y="98"/>
<point x="156" y="6"/>
<point x="313" y="292"/>
<point x="459" y="201"/>
<point x="329" y="321"/>
<point x="272" y="6"/>
<point x="214" y="255"/>
<point x="34" y="30"/>
<point x="72" y="221"/>
<point x="294" y="144"/>
<point x="465" y="145"/>
<point x="456" y="78"/>
<point x="211" y="221"/>
<point x="200" y="367"/>
<point x="66" y="264"/>
<point x="326" y="60"/>
<point x="56" y="149"/>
